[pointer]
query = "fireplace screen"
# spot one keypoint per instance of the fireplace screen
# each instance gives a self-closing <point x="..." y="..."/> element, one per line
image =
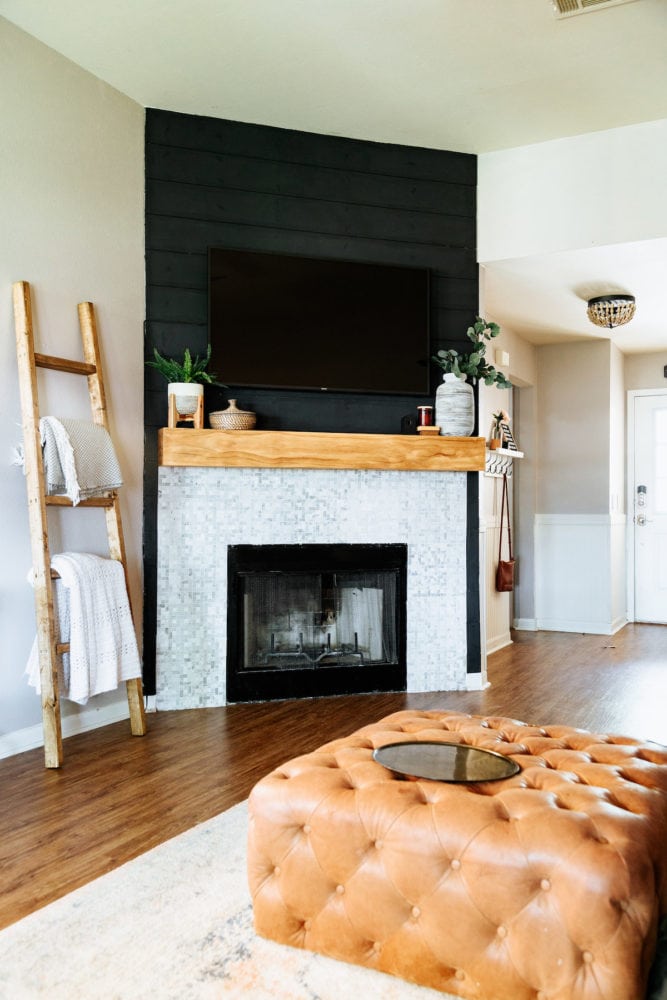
<point x="301" y="620"/>
<point x="310" y="611"/>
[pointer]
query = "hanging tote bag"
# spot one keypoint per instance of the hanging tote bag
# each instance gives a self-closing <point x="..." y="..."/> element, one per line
<point x="505" y="570"/>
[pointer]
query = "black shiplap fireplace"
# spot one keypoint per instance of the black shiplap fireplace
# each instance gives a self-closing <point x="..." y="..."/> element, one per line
<point x="312" y="620"/>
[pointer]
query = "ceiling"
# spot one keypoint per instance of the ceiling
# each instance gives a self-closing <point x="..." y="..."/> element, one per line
<point x="466" y="75"/>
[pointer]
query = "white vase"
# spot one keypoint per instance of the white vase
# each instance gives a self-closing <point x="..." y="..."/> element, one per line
<point x="454" y="406"/>
<point x="187" y="395"/>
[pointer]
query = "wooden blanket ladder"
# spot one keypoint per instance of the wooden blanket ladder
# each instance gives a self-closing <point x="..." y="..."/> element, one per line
<point x="49" y="646"/>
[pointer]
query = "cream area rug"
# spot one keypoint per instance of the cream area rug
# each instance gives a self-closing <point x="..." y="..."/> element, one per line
<point x="176" y="924"/>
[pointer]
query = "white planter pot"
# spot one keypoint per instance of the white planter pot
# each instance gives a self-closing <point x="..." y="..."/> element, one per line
<point x="454" y="407"/>
<point x="187" y="395"/>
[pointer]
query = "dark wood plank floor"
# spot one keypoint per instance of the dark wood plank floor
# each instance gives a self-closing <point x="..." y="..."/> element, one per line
<point x="118" y="796"/>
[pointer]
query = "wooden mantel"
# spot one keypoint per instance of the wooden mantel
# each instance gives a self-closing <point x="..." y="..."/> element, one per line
<point x="307" y="450"/>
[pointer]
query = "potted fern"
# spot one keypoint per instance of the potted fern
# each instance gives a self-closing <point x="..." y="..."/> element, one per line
<point x="185" y="380"/>
<point x="454" y="400"/>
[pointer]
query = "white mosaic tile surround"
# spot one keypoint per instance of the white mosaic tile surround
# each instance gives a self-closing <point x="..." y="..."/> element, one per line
<point x="202" y="511"/>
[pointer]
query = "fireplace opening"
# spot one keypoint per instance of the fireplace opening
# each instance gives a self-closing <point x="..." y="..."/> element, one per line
<point x="309" y="620"/>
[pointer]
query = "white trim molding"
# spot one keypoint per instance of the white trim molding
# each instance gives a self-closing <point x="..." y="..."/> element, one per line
<point x="525" y="624"/>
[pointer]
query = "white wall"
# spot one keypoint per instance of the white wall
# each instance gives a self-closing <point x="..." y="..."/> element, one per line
<point x="573" y="428"/>
<point x="646" y="371"/>
<point x="583" y="191"/>
<point x="71" y="197"/>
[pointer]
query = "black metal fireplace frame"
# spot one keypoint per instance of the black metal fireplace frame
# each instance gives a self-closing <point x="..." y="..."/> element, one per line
<point x="287" y="683"/>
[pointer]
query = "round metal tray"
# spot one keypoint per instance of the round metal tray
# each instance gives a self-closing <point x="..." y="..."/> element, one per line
<point x="455" y="762"/>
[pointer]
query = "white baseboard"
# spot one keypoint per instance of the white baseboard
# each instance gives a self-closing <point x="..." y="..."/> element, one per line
<point x="497" y="642"/>
<point x="567" y="625"/>
<point x="525" y="624"/>
<point x="32" y="736"/>
<point x="532" y="625"/>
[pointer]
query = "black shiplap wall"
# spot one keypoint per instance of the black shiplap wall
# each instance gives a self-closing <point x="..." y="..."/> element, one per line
<point x="211" y="182"/>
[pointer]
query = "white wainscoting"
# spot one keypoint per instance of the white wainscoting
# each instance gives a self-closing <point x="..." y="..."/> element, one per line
<point x="580" y="573"/>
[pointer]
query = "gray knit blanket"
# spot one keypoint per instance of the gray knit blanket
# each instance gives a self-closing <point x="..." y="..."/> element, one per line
<point x="79" y="459"/>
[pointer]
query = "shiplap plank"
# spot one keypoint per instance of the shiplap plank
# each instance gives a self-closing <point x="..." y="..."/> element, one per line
<point x="288" y="146"/>
<point x="168" y="233"/>
<point x="312" y="181"/>
<point x="250" y="208"/>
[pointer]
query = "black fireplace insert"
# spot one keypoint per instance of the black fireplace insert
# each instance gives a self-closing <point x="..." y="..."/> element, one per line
<point x="313" y="620"/>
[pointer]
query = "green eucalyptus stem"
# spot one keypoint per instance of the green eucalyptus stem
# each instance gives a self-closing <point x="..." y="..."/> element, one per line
<point x="474" y="365"/>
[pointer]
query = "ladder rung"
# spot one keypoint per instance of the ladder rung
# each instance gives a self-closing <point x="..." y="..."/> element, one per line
<point x="62" y="647"/>
<point x="58" y="501"/>
<point x="63" y="365"/>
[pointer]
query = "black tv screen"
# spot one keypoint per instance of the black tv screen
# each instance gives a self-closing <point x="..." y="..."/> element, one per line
<point x="287" y="322"/>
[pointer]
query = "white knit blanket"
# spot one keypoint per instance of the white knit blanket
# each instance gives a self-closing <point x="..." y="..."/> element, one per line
<point x="79" y="458"/>
<point x="94" y="616"/>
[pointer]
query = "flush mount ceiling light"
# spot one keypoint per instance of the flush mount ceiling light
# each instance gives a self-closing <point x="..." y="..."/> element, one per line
<point x="611" y="310"/>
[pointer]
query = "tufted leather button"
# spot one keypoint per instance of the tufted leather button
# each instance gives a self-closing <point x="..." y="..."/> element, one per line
<point x="545" y="884"/>
<point x="586" y="957"/>
<point x="502" y="931"/>
<point x="340" y="889"/>
<point x="603" y="840"/>
<point x="541" y="995"/>
<point x="307" y="925"/>
<point x="460" y="974"/>
<point x="276" y="870"/>
<point x="416" y="912"/>
<point x="377" y="946"/>
<point x="378" y="844"/>
<point x="456" y="864"/>
<point x="306" y="828"/>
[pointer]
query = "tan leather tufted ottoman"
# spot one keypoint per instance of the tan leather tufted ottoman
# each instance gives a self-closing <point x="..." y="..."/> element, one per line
<point x="544" y="886"/>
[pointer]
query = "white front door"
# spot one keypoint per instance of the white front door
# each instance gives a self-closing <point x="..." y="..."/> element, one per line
<point x="649" y="493"/>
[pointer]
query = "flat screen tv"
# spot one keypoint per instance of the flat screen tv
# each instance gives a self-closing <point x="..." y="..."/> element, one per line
<point x="288" y="322"/>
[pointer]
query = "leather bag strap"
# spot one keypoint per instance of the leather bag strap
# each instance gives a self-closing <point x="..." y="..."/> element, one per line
<point x="505" y="507"/>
